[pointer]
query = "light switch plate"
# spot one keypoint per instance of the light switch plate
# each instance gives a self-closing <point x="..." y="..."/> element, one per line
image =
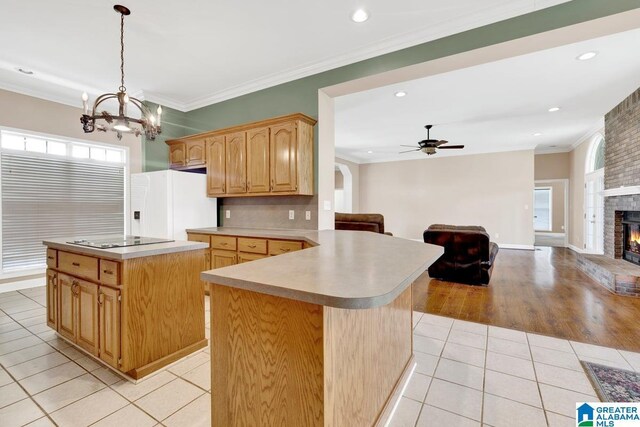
<point x="227" y="213"/>
<point x="307" y="215"/>
<point x="292" y="214"/>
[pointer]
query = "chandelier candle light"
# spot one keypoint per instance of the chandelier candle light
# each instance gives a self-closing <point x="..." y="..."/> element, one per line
<point x="120" y="123"/>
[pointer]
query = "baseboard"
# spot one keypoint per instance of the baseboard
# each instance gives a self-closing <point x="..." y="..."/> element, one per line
<point x="544" y="233"/>
<point x="575" y="248"/>
<point x="512" y="246"/>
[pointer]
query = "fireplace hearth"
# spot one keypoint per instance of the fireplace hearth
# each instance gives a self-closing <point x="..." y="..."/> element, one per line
<point x="631" y="236"/>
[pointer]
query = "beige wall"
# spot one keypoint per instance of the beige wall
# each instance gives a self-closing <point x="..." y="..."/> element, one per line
<point x="552" y="166"/>
<point x="577" y="160"/>
<point x="354" y="168"/>
<point x="339" y="180"/>
<point x="37" y="115"/>
<point x="491" y="190"/>
<point x="557" y="204"/>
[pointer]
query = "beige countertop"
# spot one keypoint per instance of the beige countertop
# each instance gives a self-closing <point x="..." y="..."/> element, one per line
<point x="345" y="269"/>
<point x="127" y="252"/>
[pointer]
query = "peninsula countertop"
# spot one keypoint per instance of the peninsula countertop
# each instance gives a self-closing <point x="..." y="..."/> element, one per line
<point x="126" y="252"/>
<point x="343" y="269"/>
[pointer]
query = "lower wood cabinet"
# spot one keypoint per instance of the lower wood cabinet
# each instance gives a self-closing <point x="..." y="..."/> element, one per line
<point x="109" y="329"/>
<point x="221" y="258"/>
<point x="52" y="299"/>
<point x="86" y="312"/>
<point x="247" y="257"/>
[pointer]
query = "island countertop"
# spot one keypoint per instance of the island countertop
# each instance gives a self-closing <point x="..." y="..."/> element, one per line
<point x="344" y="269"/>
<point x="126" y="252"/>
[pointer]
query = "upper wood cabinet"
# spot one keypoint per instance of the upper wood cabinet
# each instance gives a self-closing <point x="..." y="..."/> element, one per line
<point x="188" y="154"/>
<point x="236" y="172"/>
<point x="216" y="166"/>
<point x="271" y="157"/>
<point x="258" y="160"/>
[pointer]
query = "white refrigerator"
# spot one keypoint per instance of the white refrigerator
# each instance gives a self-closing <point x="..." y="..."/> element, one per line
<point x="165" y="203"/>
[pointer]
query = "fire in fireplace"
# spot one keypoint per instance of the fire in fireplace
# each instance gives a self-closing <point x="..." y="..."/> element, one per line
<point x="631" y="235"/>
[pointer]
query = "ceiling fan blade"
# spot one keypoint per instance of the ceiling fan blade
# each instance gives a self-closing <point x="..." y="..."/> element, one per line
<point x="412" y="146"/>
<point x="441" y="142"/>
<point x="410" y="151"/>
<point x="451" y="147"/>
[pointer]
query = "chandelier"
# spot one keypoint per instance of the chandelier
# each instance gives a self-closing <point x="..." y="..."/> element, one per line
<point x="121" y="123"/>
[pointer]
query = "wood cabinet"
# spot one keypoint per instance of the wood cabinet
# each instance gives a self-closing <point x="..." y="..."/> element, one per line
<point x="52" y="299"/>
<point x="267" y="158"/>
<point x="284" y="162"/>
<point x="216" y="166"/>
<point x="258" y="160"/>
<point x="221" y="258"/>
<point x="187" y="154"/>
<point x="177" y="158"/>
<point x="137" y="315"/>
<point x="236" y="166"/>
<point x="109" y="320"/>
<point x="247" y="257"/>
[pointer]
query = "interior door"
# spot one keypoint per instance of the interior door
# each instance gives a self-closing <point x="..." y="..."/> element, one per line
<point x="594" y="212"/>
<point x="542" y="205"/>
<point x="258" y="160"/>
<point x="236" y="172"/>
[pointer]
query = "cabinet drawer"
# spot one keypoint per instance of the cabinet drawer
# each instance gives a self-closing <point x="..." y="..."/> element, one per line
<point x="52" y="258"/>
<point x="227" y="243"/>
<point x="109" y="272"/>
<point x="247" y="257"/>
<point x="78" y="265"/>
<point x="254" y="246"/>
<point x="204" y="238"/>
<point x="278" y="247"/>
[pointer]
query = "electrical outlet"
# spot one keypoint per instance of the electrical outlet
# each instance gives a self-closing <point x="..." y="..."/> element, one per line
<point x="292" y="214"/>
<point x="307" y="215"/>
<point x="563" y="227"/>
<point x="227" y="213"/>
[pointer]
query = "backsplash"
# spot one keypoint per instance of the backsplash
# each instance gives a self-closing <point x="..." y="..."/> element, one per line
<point x="269" y="212"/>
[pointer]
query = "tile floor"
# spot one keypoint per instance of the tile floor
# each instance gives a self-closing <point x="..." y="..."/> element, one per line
<point x="467" y="374"/>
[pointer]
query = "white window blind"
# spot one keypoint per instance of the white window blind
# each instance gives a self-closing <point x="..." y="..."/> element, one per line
<point x="53" y="196"/>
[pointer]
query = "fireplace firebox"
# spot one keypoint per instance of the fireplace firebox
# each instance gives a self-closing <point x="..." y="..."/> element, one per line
<point x="631" y="236"/>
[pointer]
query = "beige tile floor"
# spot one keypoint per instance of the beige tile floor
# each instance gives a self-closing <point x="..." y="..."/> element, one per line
<point x="467" y="374"/>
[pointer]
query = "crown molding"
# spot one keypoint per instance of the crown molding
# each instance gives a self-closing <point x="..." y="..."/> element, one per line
<point x="553" y="150"/>
<point x="47" y="96"/>
<point x="598" y="127"/>
<point x="347" y="157"/>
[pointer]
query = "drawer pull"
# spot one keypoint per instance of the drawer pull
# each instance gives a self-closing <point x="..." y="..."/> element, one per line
<point x="50" y="257"/>
<point x="107" y="272"/>
<point x="252" y="246"/>
<point x="223" y="244"/>
<point x="77" y="264"/>
<point x="285" y="249"/>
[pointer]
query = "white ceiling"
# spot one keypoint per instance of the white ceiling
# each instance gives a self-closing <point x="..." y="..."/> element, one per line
<point x="193" y="53"/>
<point x="496" y="106"/>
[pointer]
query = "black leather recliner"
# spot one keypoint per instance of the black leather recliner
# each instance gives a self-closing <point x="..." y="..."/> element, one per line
<point x="468" y="256"/>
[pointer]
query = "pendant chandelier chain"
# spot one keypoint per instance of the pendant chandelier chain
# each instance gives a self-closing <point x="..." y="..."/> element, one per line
<point x="122" y="87"/>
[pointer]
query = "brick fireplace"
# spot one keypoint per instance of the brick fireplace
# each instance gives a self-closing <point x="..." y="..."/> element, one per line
<point x="617" y="270"/>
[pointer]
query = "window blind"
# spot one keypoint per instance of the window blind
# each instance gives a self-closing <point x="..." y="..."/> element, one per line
<point x="48" y="197"/>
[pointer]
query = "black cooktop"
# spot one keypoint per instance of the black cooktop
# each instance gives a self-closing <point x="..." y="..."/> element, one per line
<point x="118" y="242"/>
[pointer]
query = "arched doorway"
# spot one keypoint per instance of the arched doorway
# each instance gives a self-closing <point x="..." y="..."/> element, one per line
<point x="594" y="197"/>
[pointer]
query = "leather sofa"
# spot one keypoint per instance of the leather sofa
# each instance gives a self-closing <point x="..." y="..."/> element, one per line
<point x="360" y="222"/>
<point x="468" y="256"/>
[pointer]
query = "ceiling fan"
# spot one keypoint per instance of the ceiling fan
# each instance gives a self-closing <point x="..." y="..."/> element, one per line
<point x="428" y="146"/>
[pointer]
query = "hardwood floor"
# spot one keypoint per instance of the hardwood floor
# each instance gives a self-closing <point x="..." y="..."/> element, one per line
<point x="540" y="291"/>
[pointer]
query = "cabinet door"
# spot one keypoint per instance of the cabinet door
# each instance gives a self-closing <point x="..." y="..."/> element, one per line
<point x="236" y="173"/>
<point x="283" y="158"/>
<point x="52" y="299"/>
<point x="67" y="306"/>
<point x="258" y="160"/>
<point x="109" y="310"/>
<point x="87" y="316"/>
<point x="216" y="167"/>
<point x="176" y="155"/>
<point x="195" y="153"/>
<point x="221" y="258"/>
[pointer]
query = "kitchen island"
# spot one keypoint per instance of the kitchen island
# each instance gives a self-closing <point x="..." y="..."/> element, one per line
<point x="136" y="308"/>
<point x="316" y="337"/>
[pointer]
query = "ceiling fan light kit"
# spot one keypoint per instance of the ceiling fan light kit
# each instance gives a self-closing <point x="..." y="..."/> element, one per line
<point x="121" y="123"/>
<point x="430" y="146"/>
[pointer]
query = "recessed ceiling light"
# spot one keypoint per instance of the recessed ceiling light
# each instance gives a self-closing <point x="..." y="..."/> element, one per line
<point x="400" y="94"/>
<point x="369" y="152"/>
<point x="537" y="134"/>
<point x="554" y="109"/>
<point x="359" y="16"/>
<point x="587" y="55"/>
<point x="25" y="71"/>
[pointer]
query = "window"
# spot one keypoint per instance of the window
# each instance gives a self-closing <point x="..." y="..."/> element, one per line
<point x="56" y="188"/>
<point x="595" y="155"/>
<point x="542" y="209"/>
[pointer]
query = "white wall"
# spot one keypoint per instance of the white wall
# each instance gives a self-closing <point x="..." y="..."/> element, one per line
<point x="353" y="193"/>
<point x="490" y="190"/>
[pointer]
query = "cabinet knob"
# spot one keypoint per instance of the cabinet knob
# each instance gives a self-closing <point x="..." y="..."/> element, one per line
<point x="100" y="298"/>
